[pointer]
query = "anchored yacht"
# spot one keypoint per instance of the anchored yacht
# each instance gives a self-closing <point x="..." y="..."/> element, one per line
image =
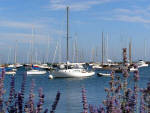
<point x="74" y="72"/>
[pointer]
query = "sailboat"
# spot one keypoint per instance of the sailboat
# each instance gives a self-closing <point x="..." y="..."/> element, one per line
<point x="34" y="70"/>
<point x="74" y="72"/>
<point x="11" y="68"/>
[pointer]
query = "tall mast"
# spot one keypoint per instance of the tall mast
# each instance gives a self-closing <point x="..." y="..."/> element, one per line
<point x="60" y="51"/>
<point x="93" y="54"/>
<point x="76" y="51"/>
<point x="48" y="49"/>
<point x="9" y="56"/>
<point x="32" y="44"/>
<point x="102" y="48"/>
<point x="15" y="58"/>
<point x="106" y="47"/>
<point x="144" y="49"/>
<point x="130" y="58"/>
<point x="67" y="33"/>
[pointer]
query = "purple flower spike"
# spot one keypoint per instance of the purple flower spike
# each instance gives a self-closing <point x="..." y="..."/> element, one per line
<point x="31" y="98"/>
<point x="20" y="103"/>
<point x="55" y="103"/>
<point x="84" y="101"/>
<point x="142" y="105"/>
<point x="41" y="101"/>
<point x="136" y="73"/>
<point x="1" y="89"/>
<point x="12" y="90"/>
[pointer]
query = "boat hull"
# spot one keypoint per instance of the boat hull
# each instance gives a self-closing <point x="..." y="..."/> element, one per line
<point x="70" y="74"/>
<point x="104" y="74"/>
<point x="144" y="65"/>
<point x="36" y="72"/>
<point x="10" y="73"/>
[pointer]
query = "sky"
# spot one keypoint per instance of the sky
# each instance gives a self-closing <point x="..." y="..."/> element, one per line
<point x="38" y="27"/>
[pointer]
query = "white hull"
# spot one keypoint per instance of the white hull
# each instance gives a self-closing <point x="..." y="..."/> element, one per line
<point x="10" y="73"/>
<point x="104" y="74"/>
<point x="143" y="65"/>
<point x="18" y="65"/>
<point x="35" y="72"/>
<point x="133" y="69"/>
<point x="11" y="66"/>
<point x="72" y="73"/>
<point x="96" y="67"/>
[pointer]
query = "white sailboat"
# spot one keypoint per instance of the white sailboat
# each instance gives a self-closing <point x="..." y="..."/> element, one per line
<point x="64" y="73"/>
<point x="72" y="73"/>
<point x="33" y="70"/>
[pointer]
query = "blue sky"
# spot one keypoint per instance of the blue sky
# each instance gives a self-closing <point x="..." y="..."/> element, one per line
<point x="123" y="20"/>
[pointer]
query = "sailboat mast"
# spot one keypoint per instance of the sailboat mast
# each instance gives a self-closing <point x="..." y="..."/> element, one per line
<point x="144" y="49"/>
<point x="67" y="33"/>
<point x="32" y="44"/>
<point x="130" y="59"/>
<point x="15" y="58"/>
<point x="102" y="48"/>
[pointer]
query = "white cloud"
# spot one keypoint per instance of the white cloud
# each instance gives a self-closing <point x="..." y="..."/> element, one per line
<point x="23" y="37"/>
<point x="15" y="24"/>
<point x="127" y="18"/>
<point x="75" y="5"/>
<point x="132" y="14"/>
<point x="40" y="27"/>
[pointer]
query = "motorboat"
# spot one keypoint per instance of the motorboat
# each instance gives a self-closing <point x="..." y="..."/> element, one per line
<point x="141" y="63"/>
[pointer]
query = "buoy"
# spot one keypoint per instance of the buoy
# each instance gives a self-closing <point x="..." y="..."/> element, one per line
<point x="51" y="77"/>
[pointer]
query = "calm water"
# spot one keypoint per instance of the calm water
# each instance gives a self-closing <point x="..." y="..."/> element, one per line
<point x="70" y="88"/>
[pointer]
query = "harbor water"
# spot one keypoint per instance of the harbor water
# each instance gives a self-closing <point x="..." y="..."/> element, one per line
<point x="70" y="88"/>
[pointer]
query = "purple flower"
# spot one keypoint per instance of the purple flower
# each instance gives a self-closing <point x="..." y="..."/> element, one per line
<point x="31" y="98"/>
<point x="41" y="101"/>
<point x="55" y="103"/>
<point x="84" y="101"/>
